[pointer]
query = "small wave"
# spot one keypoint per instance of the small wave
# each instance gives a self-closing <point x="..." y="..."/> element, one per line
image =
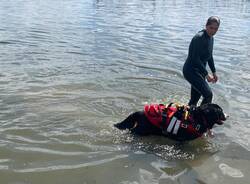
<point x="25" y="139"/>
<point x="6" y="42"/>
<point x="48" y="151"/>
<point x="69" y="167"/>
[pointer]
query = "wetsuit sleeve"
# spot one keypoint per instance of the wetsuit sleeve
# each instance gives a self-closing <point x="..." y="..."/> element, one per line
<point x="195" y="51"/>
<point x="211" y="60"/>
<point x="211" y="64"/>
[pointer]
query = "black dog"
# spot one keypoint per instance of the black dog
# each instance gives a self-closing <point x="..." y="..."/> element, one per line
<point x="176" y="122"/>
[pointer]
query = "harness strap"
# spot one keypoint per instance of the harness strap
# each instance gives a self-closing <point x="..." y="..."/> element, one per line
<point x="165" y="116"/>
<point x="186" y="115"/>
<point x="205" y="123"/>
<point x="194" y="130"/>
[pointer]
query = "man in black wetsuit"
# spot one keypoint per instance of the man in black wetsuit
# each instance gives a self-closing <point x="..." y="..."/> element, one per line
<point x="200" y="53"/>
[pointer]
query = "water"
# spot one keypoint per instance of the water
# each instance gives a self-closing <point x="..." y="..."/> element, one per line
<point x="71" y="69"/>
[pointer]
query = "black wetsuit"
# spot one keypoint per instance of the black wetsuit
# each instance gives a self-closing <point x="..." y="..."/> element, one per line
<point x="194" y="70"/>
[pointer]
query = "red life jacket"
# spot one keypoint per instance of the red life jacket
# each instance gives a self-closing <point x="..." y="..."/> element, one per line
<point x="154" y="113"/>
<point x="169" y="124"/>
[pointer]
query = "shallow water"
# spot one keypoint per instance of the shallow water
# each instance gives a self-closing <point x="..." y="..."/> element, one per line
<point x="71" y="69"/>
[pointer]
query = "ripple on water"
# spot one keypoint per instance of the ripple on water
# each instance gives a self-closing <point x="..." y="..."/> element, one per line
<point x="55" y="167"/>
<point x="230" y="171"/>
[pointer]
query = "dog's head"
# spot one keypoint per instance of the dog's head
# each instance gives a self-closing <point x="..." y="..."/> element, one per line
<point x="212" y="114"/>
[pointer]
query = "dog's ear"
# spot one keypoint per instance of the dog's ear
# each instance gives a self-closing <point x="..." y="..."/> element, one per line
<point x="195" y="111"/>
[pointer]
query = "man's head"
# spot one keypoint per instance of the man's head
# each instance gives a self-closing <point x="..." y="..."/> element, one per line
<point x="212" y="25"/>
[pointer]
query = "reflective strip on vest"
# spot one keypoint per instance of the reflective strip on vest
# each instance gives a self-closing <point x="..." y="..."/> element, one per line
<point x="171" y="124"/>
<point x="177" y="126"/>
<point x="174" y="123"/>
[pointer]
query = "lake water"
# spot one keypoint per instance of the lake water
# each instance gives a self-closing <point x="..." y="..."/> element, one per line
<point x="70" y="69"/>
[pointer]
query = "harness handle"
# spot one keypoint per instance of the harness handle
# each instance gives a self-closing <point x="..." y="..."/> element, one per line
<point x="165" y="112"/>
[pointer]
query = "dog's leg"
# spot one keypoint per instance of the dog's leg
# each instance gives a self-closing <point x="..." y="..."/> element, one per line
<point x="129" y="123"/>
<point x="210" y="133"/>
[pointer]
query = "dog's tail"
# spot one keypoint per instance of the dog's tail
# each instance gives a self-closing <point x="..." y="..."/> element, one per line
<point x="129" y="123"/>
<point x="121" y="126"/>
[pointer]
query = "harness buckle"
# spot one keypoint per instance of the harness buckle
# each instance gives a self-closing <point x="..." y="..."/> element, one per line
<point x="198" y="126"/>
<point x="184" y="125"/>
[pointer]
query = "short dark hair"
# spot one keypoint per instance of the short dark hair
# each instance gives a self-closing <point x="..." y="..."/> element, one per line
<point x="213" y="19"/>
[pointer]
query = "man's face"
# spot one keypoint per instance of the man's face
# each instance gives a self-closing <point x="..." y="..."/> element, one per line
<point x="212" y="29"/>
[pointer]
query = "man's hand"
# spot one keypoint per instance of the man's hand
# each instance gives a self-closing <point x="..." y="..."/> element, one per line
<point x="209" y="78"/>
<point x="215" y="78"/>
<point x="212" y="78"/>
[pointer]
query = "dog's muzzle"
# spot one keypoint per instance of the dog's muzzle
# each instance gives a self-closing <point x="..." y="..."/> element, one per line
<point x="222" y="119"/>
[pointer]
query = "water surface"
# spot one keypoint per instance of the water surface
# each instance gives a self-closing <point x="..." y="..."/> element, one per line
<point x="71" y="69"/>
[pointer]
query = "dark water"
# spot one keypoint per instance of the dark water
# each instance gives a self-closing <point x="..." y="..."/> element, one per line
<point x="70" y="69"/>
